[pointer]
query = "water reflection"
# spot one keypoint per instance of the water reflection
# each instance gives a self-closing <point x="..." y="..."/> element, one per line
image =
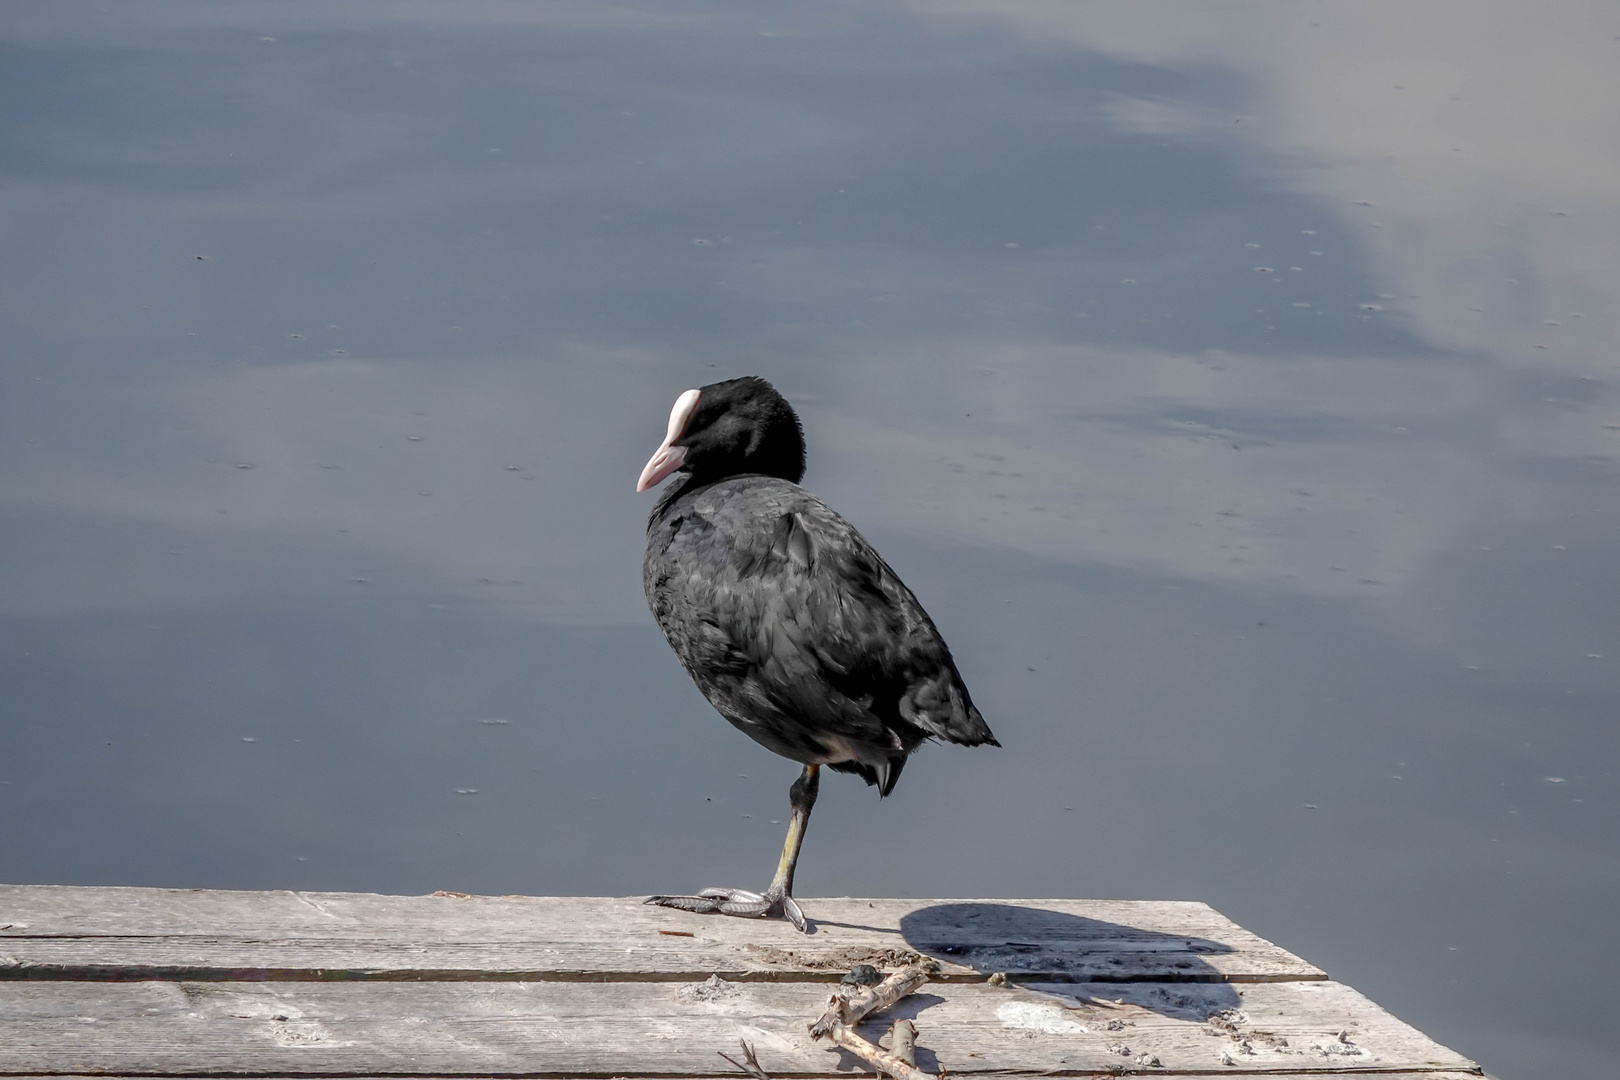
<point x="333" y="342"/>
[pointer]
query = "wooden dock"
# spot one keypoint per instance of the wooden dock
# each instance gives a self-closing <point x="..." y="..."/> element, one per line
<point x="161" y="982"/>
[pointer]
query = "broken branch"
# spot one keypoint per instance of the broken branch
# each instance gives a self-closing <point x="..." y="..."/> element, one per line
<point x="903" y="1041"/>
<point x="749" y="1064"/>
<point x="851" y="1010"/>
<point x="879" y="1059"/>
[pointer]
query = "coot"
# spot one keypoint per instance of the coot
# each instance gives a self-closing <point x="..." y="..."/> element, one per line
<point x="789" y="622"/>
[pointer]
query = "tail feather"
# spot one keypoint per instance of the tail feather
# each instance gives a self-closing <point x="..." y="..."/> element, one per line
<point x="883" y="777"/>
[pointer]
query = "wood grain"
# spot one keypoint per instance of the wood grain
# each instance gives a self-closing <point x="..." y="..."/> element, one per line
<point x="160" y="982"/>
<point x="675" y="1029"/>
<point x="1317" y="1074"/>
<point x="108" y="933"/>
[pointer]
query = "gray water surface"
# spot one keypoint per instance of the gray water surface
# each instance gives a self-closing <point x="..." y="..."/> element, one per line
<point x="1235" y="384"/>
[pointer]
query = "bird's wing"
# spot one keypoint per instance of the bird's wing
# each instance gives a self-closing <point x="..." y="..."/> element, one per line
<point x="829" y="634"/>
<point x="878" y="633"/>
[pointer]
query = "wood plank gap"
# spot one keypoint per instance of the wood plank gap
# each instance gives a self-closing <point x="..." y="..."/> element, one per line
<point x="1407" y="1073"/>
<point x="1438" y="1073"/>
<point x="166" y="973"/>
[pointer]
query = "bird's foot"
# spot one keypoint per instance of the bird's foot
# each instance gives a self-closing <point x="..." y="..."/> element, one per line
<point x="741" y="902"/>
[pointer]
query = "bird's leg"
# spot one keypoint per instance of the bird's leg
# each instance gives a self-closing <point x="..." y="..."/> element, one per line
<point x="777" y="899"/>
<point x="801" y="799"/>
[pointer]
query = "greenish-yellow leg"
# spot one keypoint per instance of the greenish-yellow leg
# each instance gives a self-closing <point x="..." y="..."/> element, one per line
<point x="777" y="899"/>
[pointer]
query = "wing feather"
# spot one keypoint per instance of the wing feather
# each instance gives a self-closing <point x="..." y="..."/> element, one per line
<point x="799" y="632"/>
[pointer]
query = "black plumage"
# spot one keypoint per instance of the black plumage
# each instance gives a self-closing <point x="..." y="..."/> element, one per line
<point x="788" y="621"/>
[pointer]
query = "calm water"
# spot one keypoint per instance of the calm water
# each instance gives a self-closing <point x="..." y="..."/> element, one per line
<point x="1235" y="385"/>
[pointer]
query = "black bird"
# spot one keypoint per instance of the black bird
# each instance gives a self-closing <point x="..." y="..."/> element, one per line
<point x="789" y="622"/>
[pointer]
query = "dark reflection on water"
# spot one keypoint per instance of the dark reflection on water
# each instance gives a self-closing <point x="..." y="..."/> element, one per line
<point x="1261" y="476"/>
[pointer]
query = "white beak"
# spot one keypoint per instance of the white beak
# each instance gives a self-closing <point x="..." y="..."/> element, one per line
<point x="668" y="457"/>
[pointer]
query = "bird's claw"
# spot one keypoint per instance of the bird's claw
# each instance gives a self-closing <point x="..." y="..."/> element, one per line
<point x="790" y="908"/>
<point x="744" y="903"/>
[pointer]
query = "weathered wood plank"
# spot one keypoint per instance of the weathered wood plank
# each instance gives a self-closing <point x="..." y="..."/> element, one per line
<point x="664" y="1029"/>
<point x="88" y="933"/>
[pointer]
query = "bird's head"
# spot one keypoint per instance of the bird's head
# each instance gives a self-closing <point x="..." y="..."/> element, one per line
<point x="726" y="428"/>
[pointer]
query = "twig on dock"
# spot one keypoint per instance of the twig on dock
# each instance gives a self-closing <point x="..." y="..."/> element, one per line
<point x="850" y="1011"/>
<point x="843" y="1013"/>
<point x="749" y="1064"/>
<point x="879" y="1059"/>
<point x="903" y="1041"/>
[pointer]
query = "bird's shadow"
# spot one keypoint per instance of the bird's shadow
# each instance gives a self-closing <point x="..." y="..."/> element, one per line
<point x="1066" y="961"/>
<point x="1091" y="959"/>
